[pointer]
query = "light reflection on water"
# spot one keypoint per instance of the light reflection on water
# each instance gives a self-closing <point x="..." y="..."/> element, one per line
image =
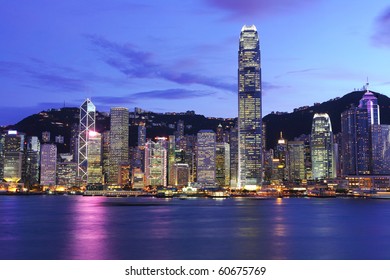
<point x="76" y="227"/>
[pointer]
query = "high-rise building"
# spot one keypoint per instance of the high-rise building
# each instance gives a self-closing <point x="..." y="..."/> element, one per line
<point x="370" y="103"/>
<point x="249" y="109"/>
<point x="87" y="124"/>
<point x="220" y="133"/>
<point x="322" y="149"/>
<point x="66" y="170"/>
<point x="156" y="162"/>
<point x="119" y="143"/>
<point x="32" y="161"/>
<point x="2" y="138"/>
<point x="74" y="139"/>
<point x="296" y="160"/>
<point x="13" y="156"/>
<point x="356" y="138"/>
<point x="181" y="174"/>
<point x="48" y="164"/>
<point x="233" y="141"/>
<point x="46" y="137"/>
<point x="141" y="135"/>
<point x="105" y="154"/>
<point x="380" y="149"/>
<point x="205" y="158"/>
<point x="281" y="154"/>
<point x="94" y="154"/>
<point x="222" y="164"/>
<point x="171" y="158"/>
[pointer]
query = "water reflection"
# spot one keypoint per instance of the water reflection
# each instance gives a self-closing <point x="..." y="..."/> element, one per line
<point x="89" y="234"/>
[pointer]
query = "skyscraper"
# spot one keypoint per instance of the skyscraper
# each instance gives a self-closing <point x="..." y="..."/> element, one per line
<point x="13" y="156"/>
<point x="233" y="141"/>
<point x="48" y="164"/>
<point x="205" y="158"/>
<point x="296" y="160"/>
<point x="156" y="162"/>
<point x="356" y="130"/>
<point x="249" y="109"/>
<point x="380" y="149"/>
<point x="87" y="124"/>
<point x="222" y="164"/>
<point x="32" y="161"/>
<point x="94" y="168"/>
<point x="322" y="150"/>
<point x="119" y="143"/>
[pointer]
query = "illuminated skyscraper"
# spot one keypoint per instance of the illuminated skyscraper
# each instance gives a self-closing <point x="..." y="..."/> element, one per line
<point x="249" y="109"/>
<point x="141" y="135"/>
<point x="13" y="156"/>
<point x="380" y="149"/>
<point x="296" y="160"/>
<point x="322" y="149"/>
<point x="156" y="162"/>
<point x="32" y="161"/>
<point x="87" y="124"/>
<point x="357" y="139"/>
<point x="233" y="138"/>
<point x="48" y="164"/>
<point x="205" y="158"/>
<point x="94" y="168"/>
<point x="119" y="143"/>
<point x="222" y="163"/>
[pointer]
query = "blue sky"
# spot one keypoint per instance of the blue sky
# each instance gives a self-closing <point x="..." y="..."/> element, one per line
<point x="174" y="56"/>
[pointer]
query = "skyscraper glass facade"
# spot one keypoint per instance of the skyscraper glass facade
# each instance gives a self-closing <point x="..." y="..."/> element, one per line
<point x="250" y="168"/>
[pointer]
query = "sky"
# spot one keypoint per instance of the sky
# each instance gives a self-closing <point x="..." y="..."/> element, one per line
<point x="175" y="55"/>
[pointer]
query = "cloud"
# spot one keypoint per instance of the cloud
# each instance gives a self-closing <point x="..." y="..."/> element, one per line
<point x="167" y="94"/>
<point x="301" y="71"/>
<point x="171" y="94"/>
<point x="244" y="9"/>
<point x="381" y="36"/>
<point x="38" y="74"/>
<point x="141" y="64"/>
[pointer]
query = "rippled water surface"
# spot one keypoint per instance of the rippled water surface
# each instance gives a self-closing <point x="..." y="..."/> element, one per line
<point x="77" y="227"/>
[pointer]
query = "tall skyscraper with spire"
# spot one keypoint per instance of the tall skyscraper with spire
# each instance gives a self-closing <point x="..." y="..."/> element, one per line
<point x="250" y="167"/>
<point x="87" y="124"/>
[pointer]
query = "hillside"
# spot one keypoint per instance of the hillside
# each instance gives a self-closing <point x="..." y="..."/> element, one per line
<point x="299" y="122"/>
<point x="59" y="121"/>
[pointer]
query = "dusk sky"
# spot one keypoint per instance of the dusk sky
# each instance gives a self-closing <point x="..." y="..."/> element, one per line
<point x="175" y="55"/>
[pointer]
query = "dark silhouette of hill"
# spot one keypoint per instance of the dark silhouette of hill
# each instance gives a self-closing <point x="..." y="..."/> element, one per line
<point x="59" y="121"/>
<point x="299" y="122"/>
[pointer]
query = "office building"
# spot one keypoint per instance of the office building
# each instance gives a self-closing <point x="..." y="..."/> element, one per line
<point x="205" y="158"/>
<point x="322" y="148"/>
<point x="48" y="165"/>
<point x="156" y="162"/>
<point x="249" y="110"/>
<point x="119" y="143"/>
<point x="87" y="124"/>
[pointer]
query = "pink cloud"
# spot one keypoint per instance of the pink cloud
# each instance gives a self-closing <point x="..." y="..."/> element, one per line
<point x="249" y="8"/>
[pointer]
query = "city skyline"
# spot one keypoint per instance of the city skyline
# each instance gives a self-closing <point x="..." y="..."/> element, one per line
<point x="176" y="56"/>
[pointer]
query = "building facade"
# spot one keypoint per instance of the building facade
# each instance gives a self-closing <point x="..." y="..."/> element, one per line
<point x="322" y="149"/>
<point x="156" y="162"/>
<point x="87" y="124"/>
<point x="205" y="158"/>
<point x="250" y="168"/>
<point x="119" y="143"/>
<point x="48" y="165"/>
